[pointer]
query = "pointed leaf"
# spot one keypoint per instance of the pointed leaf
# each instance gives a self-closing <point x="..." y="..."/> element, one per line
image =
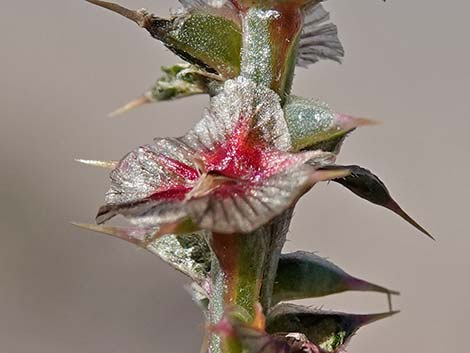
<point x="313" y="125"/>
<point x="303" y="275"/>
<point x="209" y="35"/>
<point x="200" y="38"/>
<point x="330" y="331"/>
<point x="368" y="186"/>
<point x="189" y="253"/>
<point x="178" y="81"/>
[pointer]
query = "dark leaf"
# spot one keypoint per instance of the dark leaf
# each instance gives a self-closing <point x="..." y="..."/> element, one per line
<point x="330" y="331"/>
<point x="303" y="275"/>
<point x="368" y="186"/>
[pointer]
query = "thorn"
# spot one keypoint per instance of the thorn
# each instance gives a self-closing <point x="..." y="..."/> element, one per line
<point x="366" y="122"/>
<point x="370" y="318"/>
<point x="131" y="235"/>
<point x="361" y="285"/>
<point x="348" y="122"/>
<point x="398" y="210"/>
<point x="100" y="164"/>
<point x="140" y="17"/>
<point x="145" y="99"/>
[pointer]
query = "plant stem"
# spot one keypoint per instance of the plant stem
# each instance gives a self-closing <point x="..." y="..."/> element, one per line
<point x="243" y="271"/>
<point x="270" y="42"/>
<point x="244" y="266"/>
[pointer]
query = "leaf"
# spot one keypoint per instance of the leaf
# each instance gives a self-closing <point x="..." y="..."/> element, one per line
<point x="189" y="253"/>
<point x="209" y="36"/>
<point x="368" y="186"/>
<point x="201" y="38"/>
<point x="330" y="331"/>
<point x="178" y="81"/>
<point x="314" y="125"/>
<point x="303" y="275"/>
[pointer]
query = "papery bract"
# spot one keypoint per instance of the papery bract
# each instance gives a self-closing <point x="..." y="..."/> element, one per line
<point x="231" y="173"/>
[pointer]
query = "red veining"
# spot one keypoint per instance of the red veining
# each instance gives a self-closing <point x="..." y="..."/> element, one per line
<point x="244" y="156"/>
<point x="176" y="193"/>
<point x="179" y="168"/>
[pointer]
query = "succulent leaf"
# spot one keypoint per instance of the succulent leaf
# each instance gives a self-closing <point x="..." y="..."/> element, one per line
<point x="314" y="125"/>
<point x="209" y="41"/>
<point x="330" y="331"/>
<point x="303" y="275"/>
<point x="212" y="42"/>
<point x="209" y="36"/>
<point x="368" y="186"/>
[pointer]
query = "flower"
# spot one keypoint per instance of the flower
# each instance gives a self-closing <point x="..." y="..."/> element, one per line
<point x="231" y="173"/>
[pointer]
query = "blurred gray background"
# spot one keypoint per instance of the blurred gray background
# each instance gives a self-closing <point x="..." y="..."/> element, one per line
<point x="65" y="64"/>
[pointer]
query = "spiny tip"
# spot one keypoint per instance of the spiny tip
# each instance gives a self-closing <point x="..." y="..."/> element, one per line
<point x="371" y="318"/>
<point x="348" y="122"/>
<point x="141" y="17"/>
<point x="145" y="99"/>
<point x="100" y="164"/>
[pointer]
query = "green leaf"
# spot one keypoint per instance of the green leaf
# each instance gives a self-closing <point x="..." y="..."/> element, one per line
<point x="330" y="331"/>
<point x="209" y="41"/>
<point x="368" y="186"/>
<point x="303" y="275"/>
<point x="314" y="125"/>
<point x="211" y="38"/>
<point x="179" y="81"/>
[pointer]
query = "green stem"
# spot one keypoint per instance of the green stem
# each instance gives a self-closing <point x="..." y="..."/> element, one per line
<point x="243" y="272"/>
<point x="270" y="42"/>
<point x="244" y="266"/>
<point x="237" y="274"/>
